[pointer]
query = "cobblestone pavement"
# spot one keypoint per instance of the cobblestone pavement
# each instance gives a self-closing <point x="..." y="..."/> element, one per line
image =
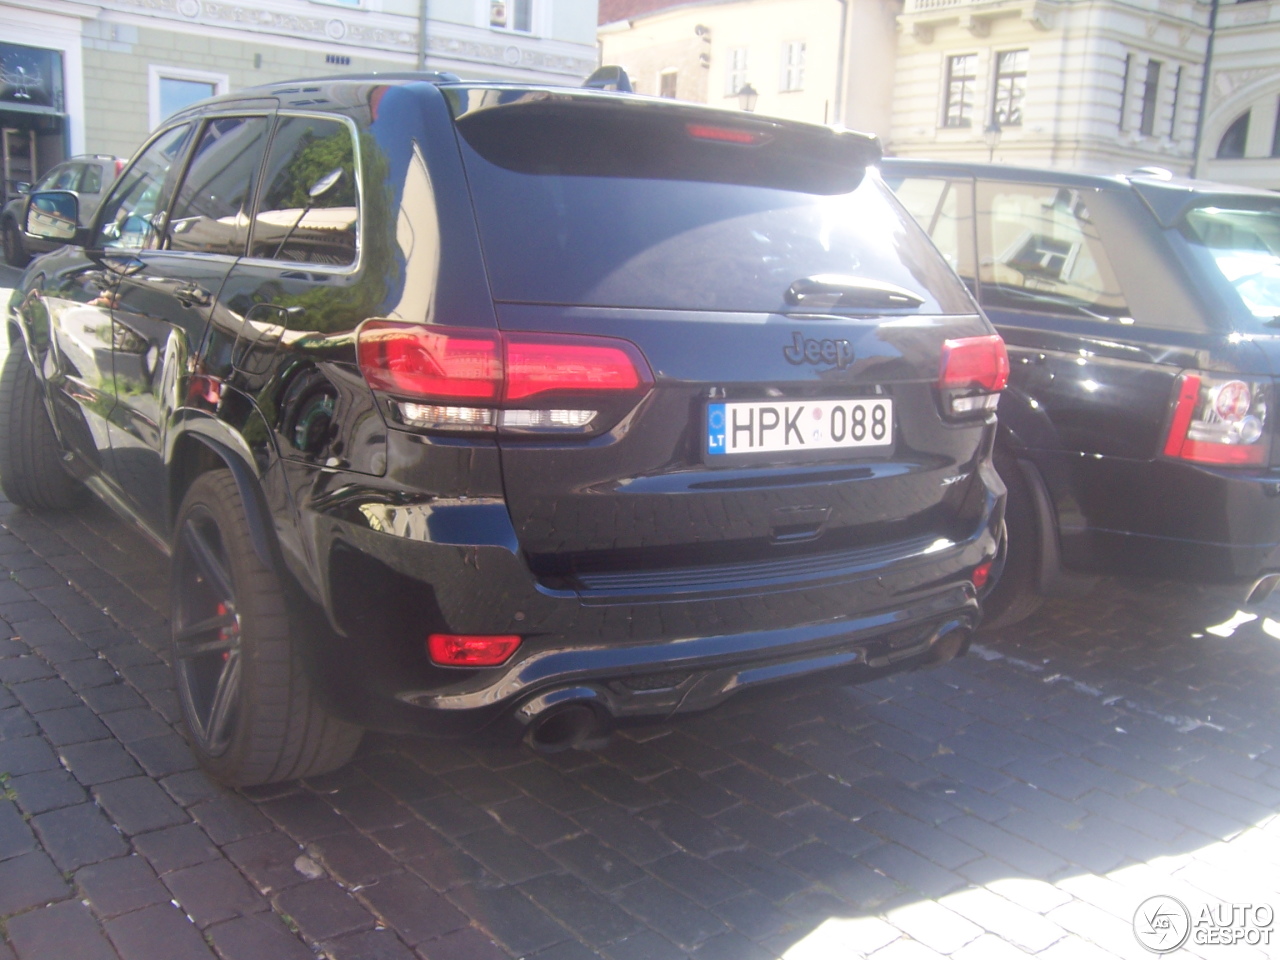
<point x="1020" y="802"/>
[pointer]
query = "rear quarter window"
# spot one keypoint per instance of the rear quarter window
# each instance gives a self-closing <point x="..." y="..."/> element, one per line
<point x="624" y="206"/>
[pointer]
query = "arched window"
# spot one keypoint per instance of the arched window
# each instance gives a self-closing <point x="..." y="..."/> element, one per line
<point x="1231" y="146"/>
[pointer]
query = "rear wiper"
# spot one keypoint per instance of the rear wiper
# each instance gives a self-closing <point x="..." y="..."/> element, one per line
<point x="827" y="291"/>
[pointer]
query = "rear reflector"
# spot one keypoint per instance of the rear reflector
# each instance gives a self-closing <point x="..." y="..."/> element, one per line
<point x="981" y="574"/>
<point x="471" y="650"/>
<point x="1219" y="420"/>
<point x="972" y="373"/>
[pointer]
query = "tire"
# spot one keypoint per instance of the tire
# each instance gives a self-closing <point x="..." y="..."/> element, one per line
<point x="15" y="251"/>
<point x="1012" y="598"/>
<point x="32" y="472"/>
<point x="249" y="707"/>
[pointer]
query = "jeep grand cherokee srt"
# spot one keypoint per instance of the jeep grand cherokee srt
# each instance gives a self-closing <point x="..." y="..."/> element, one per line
<point x="466" y="406"/>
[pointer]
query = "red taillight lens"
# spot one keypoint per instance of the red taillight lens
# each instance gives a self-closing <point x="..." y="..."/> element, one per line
<point x="470" y="650"/>
<point x="436" y="363"/>
<point x="570" y="364"/>
<point x="973" y="372"/>
<point x="979" y="362"/>
<point x="461" y="380"/>
<point x="1218" y="420"/>
<point x="981" y="574"/>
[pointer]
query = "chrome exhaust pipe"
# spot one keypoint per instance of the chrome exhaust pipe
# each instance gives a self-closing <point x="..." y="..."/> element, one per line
<point x="574" y="719"/>
<point x="1262" y="588"/>
<point x="952" y="642"/>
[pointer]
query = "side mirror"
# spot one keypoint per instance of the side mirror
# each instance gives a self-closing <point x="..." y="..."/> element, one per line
<point x="53" y="215"/>
<point x="22" y="188"/>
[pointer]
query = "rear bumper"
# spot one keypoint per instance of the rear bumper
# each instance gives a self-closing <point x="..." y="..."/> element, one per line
<point x="1165" y="518"/>
<point x="633" y="648"/>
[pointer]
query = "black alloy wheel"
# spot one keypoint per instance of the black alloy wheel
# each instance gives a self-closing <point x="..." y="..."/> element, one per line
<point x="250" y="708"/>
<point x="207" y="638"/>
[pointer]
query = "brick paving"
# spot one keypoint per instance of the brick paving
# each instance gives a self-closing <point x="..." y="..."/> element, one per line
<point x="1020" y="802"/>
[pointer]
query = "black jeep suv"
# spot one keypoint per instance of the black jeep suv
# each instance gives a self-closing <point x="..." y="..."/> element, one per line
<point x="1141" y="312"/>
<point x="467" y="406"/>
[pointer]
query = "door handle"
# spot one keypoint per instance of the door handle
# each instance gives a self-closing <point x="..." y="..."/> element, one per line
<point x="192" y="295"/>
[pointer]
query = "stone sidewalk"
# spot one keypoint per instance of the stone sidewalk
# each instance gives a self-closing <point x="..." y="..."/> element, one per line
<point x="1020" y="802"/>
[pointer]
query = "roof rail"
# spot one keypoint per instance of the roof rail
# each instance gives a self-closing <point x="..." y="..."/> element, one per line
<point x="609" y="78"/>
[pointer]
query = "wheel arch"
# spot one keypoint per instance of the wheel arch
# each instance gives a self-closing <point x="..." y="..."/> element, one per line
<point x="194" y="453"/>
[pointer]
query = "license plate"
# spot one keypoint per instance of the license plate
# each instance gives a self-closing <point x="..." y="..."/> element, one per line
<point x="789" y="426"/>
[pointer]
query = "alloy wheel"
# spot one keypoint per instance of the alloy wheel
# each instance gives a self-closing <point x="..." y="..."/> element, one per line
<point x="207" y="641"/>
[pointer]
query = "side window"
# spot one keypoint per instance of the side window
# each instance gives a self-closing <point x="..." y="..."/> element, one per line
<point x="66" y="178"/>
<point x="91" y="182"/>
<point x="1039" y="250"/>
<point x="945" y="210"/>
<point x="308" y="211"/>
<point x="211" y="207"/>
<point x="129" y="216"/>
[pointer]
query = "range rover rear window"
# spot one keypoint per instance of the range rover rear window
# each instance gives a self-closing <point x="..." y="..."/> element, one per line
<point x="1243" y="244"/>
<point x="623" y="205"/>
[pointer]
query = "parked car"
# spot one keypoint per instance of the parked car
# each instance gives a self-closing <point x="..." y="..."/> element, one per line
<point x="1141" y="313"/>
<point x="89" y="177"/>
<point x="472" y="407"/>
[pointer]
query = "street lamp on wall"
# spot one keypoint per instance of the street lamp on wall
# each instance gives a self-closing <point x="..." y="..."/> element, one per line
<point x="991" y="136"/>
<point x="747" y="97"/>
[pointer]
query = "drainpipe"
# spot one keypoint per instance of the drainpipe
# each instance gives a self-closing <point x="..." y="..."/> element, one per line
<point x="1204" y="89"/>
<point x="838" y="112"/>
<point x="421" y="33"/>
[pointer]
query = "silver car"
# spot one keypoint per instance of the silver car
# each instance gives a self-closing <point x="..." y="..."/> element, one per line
<point x="88" y="176"/>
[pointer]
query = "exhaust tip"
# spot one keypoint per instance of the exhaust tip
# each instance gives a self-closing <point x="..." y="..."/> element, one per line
<point x="573" y="726"/>
<point x="1262" y="588"/>
<point x="950" y="644"/>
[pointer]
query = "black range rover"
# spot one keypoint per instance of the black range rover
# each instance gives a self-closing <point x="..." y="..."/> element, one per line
<point x="464" y="406"/>
<point x="1138" y="433"/>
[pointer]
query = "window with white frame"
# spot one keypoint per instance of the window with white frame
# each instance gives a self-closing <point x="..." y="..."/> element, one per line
<point x="792" y="65"/>
<point x="514" y="15"/>
<point x="667" y="84"/>
<point x="962" y="78"/>
<point x="173" y="88"/>
<point x="736" y="75"/>
<point x="1011" y="87"/>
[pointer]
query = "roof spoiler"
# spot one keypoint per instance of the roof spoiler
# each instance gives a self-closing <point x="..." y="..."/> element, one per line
<point x="609" y="78"/>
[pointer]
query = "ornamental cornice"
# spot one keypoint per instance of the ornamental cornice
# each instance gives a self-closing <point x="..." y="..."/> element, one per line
<point x="1227" y="83"/>
<point x="367" y="31"/>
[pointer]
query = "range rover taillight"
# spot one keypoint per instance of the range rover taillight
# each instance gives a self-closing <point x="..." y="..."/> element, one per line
<point x="460" y="380"/>
<point x="973" y="372"/>
<point x="1220" y="420"/>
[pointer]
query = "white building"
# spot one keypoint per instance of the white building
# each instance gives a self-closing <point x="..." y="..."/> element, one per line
<point x="1241" y="140"/>
<point x="95" y="76"/>
<point x="1091" y="85"/>
<point x="823" y="61"/>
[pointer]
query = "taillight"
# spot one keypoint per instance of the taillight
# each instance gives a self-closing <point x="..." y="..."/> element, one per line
<point x="973" y="372"/>
<point x="1219" y="420"/>
<point x="460" y="380"/>
<point x="470" y="650"/>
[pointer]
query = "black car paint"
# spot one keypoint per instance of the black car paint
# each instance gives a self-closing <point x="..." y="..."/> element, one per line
<point x="617" y="557"/>
<point x="1090" y="399"/>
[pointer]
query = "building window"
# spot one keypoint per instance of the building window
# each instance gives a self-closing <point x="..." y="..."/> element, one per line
<point x="1011" y="87"/>
<point x="793" y="65"/>
<point x="174" y="88"/>
<point x="962" y="74"/>
<point x="1173" y="114"/>
<point x="667" y="84"/>
<point x="736" y="78"/>
<point x="1124" y="89"/>
<point x="1150" y="98"/>
<point x="1231" y="146"/>
<point x="514" y="15"/>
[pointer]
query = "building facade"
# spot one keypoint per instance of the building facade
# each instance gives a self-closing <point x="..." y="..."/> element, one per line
<point x="822" y="61"/>
<point x="1092" y="85"/>
<point x="1241" y="137"/>
<point x="94" y="76"/>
